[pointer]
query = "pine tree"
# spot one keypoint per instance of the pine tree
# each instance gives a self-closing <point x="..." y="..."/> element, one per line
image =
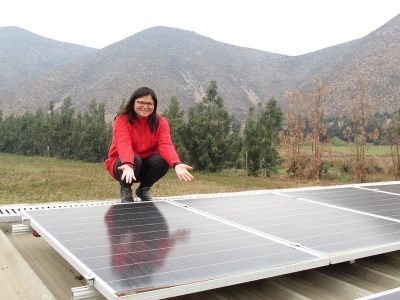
<point x="262" y="138"/>
<point x="208" y="132"/>
<point x="175" y="117"/>
<point x="65" y="123"/>
<point x="96" y="135"/>
<point x="252" y="143"/>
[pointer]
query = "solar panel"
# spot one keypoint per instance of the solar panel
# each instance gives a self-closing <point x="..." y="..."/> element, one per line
<point x="159" y="249"/>
<point x="342" y="235"/>
<point x="359" y="199"/>
<point x="393" y="187"/>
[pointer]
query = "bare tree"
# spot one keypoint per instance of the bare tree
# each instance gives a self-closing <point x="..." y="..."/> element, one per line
<point x="391" y="131"/>
<point x="356" y="135"/>
<point x="317" y="138"/>
<point x="292" y="135"/>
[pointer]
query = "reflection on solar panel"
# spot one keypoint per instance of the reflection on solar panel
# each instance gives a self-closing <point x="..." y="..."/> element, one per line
<point x="341" y="234"/>
<point x="162" y="249"/>
<point x="360" y="199"/>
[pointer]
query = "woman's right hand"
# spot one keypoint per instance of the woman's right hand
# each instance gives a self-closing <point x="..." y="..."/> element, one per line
<point x="127" y="174"/>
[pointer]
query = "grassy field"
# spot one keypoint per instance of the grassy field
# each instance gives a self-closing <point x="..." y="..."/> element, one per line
<point x="370" y="150"/>
<point x="25" y="179"/>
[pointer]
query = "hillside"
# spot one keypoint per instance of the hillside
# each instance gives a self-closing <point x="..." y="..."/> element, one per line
<point x="182" y="63"/>
<point x="24" y="55"/>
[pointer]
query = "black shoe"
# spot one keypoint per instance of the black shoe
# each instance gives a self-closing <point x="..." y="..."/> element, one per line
<point x="126" y="194"/>
<point x="143" y="193"/>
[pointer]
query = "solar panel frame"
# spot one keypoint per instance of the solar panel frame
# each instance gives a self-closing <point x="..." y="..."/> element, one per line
<point x="314" y="261"/>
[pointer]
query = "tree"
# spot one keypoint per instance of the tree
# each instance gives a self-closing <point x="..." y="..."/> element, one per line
<point x="233" y="144"/>
<point x="252" y="144"/>
<point x="52" y="133"/>
<point x="39" y="133"/>
<point x="271" y="121"/>
<point x="391" y="132"/>
<point x="236" y="126"/>
<point x="9" y="134"/>
<point x="208" y="131"/>
<point x="292" y="135"/>
<point x="76" y="137"/>
<point x="333" y="128"/>
<point x="175" y="117"/>
<point x="65" y="123"/>
<point x="121" y="106"/>
<point x="96" y="135"/>
<point x="60" y="126"/>
<point x="262" y="138"/>
<point x="25" y="141"/>
<point x="23" y="134"/>
<point x="361" y="110"/>
<point x="86" y="137"/>
<point x="317" y="137"/>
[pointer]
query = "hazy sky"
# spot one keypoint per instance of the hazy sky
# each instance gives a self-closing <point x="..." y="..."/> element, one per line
<point x="290" y="27"/>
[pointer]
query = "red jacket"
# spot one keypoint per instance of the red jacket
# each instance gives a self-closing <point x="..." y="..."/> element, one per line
<point x="134" y="251"/>
<point x="130" y="139"/>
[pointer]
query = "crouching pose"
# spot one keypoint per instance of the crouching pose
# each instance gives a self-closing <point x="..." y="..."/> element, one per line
<point x="141" y="150"/>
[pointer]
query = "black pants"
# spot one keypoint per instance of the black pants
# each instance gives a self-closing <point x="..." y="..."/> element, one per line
<point x="147" y="171"/>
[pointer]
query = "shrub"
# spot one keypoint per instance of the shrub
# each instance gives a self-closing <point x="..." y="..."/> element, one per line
<point x="335" y="141"/>
<point x="325" y="165"/>
<point x="347" y="166"/>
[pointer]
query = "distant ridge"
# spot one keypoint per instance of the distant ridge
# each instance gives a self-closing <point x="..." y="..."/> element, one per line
<point x="24" y="55"/>
<point x="179" y="62"/>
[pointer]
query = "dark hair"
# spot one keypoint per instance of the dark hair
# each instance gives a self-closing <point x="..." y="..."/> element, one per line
<point x="139" y="93"/>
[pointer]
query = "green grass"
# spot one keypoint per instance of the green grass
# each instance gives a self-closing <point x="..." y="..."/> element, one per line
<point x="39" y="180"/>
<point x="369" y="149"/>
<point x="25" y="179"/>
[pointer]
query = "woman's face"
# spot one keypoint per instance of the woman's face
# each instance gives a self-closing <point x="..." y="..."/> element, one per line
<point x="144" y="107"/>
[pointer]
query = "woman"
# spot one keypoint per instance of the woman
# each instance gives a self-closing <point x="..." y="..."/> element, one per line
<point x="141" y="148"/>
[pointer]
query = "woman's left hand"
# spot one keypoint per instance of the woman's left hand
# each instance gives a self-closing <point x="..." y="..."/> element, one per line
<point x="183" y="173"/>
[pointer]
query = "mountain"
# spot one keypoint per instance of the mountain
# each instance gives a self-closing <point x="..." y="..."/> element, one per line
<point x="24" y="55"/>
<point x="178" y="62"/>
<point x="376" y="57"/>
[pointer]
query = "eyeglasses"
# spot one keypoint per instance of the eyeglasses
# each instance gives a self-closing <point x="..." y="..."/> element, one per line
<point x="142" y="103"/>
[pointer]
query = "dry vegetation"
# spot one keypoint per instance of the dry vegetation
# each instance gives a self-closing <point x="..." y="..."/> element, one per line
<point x="338" y="166"/>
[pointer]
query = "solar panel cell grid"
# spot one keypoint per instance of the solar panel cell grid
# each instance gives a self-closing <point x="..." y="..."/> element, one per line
<point x="146" y="246"/>
<point x="155" y="246"/>
<point x="330" y="230"/>
<point x="363" y="200"/>
<point x="394" y="187"/>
